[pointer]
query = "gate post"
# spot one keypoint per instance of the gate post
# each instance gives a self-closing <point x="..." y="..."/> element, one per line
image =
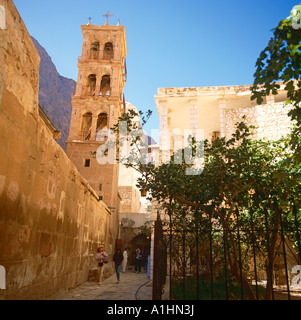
<point x="157" y="266"/>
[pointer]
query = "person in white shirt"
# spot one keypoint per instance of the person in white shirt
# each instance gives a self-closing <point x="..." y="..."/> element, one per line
<point x="125" y="259"/>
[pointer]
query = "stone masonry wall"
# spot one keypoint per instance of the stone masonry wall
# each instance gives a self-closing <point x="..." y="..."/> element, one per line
<point x="271" y="120"/>
<point x="130" y="199"/>
<point x="51" y="220"/>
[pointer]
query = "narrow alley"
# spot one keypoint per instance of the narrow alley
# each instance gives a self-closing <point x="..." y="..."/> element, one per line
<point x="132" y="286"/>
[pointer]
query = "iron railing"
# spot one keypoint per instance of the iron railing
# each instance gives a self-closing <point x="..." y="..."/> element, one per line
<point x="208" y="260"/>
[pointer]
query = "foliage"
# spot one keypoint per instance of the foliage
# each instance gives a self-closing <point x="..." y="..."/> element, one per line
<point x="234" y="291"/>
<point x="280" y="62"/>
<point x="246" y="187"/>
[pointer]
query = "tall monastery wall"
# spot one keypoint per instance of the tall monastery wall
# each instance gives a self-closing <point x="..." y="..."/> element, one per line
<point x="51" y="220"/>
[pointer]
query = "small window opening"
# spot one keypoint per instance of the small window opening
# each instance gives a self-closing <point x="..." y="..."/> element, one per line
<point x="215" y="136"/>
<point x="87" y="163"/>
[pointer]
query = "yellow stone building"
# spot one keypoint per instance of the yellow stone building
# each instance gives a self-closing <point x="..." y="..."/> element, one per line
<point x="216" y="110"/>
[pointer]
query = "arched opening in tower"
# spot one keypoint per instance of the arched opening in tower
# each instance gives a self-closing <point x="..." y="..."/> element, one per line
<point x="86" y="126"/>
<point x="102" y="127"/>
<point x="94" y="52"/>
<point x="105" y="86"/>
<point x="108" y="52"/>
<point x="91" y="85"/>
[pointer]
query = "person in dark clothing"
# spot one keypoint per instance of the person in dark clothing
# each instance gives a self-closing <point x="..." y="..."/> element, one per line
<point x="117" y="263"/>
<point x="138" y="260"/>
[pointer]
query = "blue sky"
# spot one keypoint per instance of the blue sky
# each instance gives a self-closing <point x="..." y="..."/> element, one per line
<point x="171" y="43"/>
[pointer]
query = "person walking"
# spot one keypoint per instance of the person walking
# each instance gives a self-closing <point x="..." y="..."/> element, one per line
<point x="125" y="259"/>
<point x="138" y="260"/>
<point x="149" y="266"/>
<point x="117" y="263"/>
<point x="100" y="257"/>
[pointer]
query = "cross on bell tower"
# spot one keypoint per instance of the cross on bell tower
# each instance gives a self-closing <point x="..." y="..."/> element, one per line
<point x="108" y="15"/>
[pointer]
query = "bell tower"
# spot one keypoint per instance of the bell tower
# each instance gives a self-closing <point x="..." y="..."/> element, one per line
<point x="97" y="104"/>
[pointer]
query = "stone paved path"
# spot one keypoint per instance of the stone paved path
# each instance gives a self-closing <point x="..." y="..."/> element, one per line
<point x="132" y="286"/>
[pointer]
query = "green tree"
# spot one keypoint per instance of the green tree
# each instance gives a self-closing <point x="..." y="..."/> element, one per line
<point x="244" y="182"/>
<point x="280" y="62"/>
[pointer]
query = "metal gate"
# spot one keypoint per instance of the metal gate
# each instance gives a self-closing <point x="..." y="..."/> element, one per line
<point x="160" y="260"/>
<point x="200" y="263"/>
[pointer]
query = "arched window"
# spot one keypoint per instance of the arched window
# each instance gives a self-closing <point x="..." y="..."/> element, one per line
<point x="105" y="86"/>
<point x="94" y="51"/>
<point x="102" y="127"/>
<point x="91" y="85"/>
<point x="108" y="52"/>
<point x="102" y="121"/>
<point x="86" y="126"/>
